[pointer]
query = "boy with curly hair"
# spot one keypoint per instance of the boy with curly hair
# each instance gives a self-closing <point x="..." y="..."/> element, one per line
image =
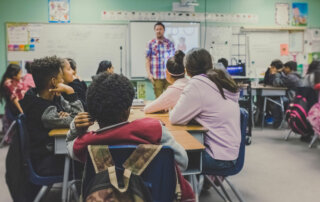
<point x="109" y="99"/>
<point x="45" y="110"/>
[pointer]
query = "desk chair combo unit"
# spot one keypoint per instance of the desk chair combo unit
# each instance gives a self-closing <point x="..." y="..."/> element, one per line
<point x="45" y="181"/>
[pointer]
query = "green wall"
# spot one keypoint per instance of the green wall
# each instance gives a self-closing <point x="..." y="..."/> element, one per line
<point x="89" y="11"/>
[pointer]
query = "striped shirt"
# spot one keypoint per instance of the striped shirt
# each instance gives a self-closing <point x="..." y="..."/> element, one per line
<point x="159" y="52"/>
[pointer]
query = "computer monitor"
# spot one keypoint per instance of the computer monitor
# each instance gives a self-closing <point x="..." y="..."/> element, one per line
<point x="237" y="70"/>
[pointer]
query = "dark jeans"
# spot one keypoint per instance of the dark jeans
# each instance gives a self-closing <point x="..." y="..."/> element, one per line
<point x="210" y="164"/>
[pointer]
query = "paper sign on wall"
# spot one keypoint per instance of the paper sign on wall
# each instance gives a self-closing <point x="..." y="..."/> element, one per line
<point x="284" y="49"/>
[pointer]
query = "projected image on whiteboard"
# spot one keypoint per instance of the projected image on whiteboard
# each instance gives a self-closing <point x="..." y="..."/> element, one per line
<point x="184" y="36"/>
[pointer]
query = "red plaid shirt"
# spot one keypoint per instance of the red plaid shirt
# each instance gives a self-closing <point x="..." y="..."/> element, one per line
<point x="159" y="52"/>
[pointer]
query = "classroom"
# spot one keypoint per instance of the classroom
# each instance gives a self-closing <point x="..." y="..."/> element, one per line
<point x="221" y="96"/>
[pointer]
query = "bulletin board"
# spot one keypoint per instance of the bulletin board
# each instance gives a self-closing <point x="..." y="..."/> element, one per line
<point x="87" y="44"/>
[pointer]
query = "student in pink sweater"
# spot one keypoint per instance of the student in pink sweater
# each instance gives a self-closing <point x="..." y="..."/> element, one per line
<point x="211" y="99"/>
<point x="175" y="76"/>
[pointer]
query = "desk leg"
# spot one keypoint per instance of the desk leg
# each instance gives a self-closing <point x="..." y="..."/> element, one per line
<point x="65" y="178"/>
<point x="194" y="185"/>
<point x="264" y="111"/>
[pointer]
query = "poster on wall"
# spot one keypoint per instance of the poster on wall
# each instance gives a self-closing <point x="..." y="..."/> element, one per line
<point x="299" y="14"/>
<point x="282" y="14"/>
<point x="59" y="11"/>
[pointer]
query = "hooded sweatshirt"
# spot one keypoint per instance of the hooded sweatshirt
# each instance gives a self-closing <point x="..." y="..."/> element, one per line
<point x="168" y="98"/>
<point x="42" y="116"/>
<point x="202" y="101"/>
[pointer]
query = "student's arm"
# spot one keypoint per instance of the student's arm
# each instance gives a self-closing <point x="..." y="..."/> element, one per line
<point x="188" y="106"/>
<point x="52" y="119"/>
<point x="78" y="127"/>
<point x="163" y="102"/>
<point x="277" y="79"/>
<point x="72" y="104"/>
<point x="291" y="81"/>
<point x="17" y="104"/>
<point x="180" y="155"/>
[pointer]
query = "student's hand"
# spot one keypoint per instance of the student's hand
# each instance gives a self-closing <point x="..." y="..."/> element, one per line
<point x="150" y="77"/>
<point x="83" y="120"/>
<point x="62" y="88"/>
<point x="63" y="114"/>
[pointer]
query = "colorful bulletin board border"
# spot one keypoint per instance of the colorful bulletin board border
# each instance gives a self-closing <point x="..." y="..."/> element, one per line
<point x="59" y="11"/>
<point x="299" y="14"/>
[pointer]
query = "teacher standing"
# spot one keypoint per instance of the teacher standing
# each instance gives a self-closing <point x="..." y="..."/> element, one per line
<point x="159" y="50"/>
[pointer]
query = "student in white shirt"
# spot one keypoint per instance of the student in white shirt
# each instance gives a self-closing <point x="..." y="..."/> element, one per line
<point x="175" y="76"/>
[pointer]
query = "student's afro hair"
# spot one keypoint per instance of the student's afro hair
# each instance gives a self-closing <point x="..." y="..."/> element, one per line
<point x="109" y="98"/>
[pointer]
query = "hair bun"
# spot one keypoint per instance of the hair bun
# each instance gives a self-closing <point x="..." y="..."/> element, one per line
<point x="178" y="56"/>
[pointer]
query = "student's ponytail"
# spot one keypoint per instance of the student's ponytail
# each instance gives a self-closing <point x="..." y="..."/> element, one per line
<point x="222" y="80"/>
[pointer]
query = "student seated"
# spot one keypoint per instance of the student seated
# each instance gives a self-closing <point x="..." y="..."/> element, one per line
<point x="45" y="110"/>
<point x="105" y="66"/>
<point x="109" y="101"/>
<point x="211" y="99"/>
<point x="11" y="90"/>
<point x="288" y="78"/>
<point x="308" y="80"/>
<point x="224" y="62"/>
<point x="71" y="79"/>
<point x="175" y="76"/>
<point x="275" y="67"/>
<point x="27" y="79"/>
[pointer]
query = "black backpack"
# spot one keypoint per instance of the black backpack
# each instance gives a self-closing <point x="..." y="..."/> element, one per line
<point x="103" y="181"/>
<point x="296" y="116"/>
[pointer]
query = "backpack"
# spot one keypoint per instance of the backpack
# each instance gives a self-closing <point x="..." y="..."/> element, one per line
<point x="314" y="116"/>
<point x="108" y="182"/>
<point x="296" y="116"/>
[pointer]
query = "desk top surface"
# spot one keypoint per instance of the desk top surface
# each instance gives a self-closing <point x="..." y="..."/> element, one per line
<point x="263" y="87"/>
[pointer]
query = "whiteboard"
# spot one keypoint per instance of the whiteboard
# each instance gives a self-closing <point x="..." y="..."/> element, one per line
<point x="142" y="32"/>
<point x="218" y="42"/>
<point x="86" y="44"/>
<point x="263" y="48"/>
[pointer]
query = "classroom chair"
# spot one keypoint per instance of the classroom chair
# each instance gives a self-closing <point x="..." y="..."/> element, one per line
<point x="45" y="181"/>
<point x="234" y="170"/>
<point x="159" y="176"/>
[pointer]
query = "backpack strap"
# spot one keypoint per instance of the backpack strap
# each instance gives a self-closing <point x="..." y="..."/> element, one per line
<point x="141" y="157"/>
<point x="102" y="160"/>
